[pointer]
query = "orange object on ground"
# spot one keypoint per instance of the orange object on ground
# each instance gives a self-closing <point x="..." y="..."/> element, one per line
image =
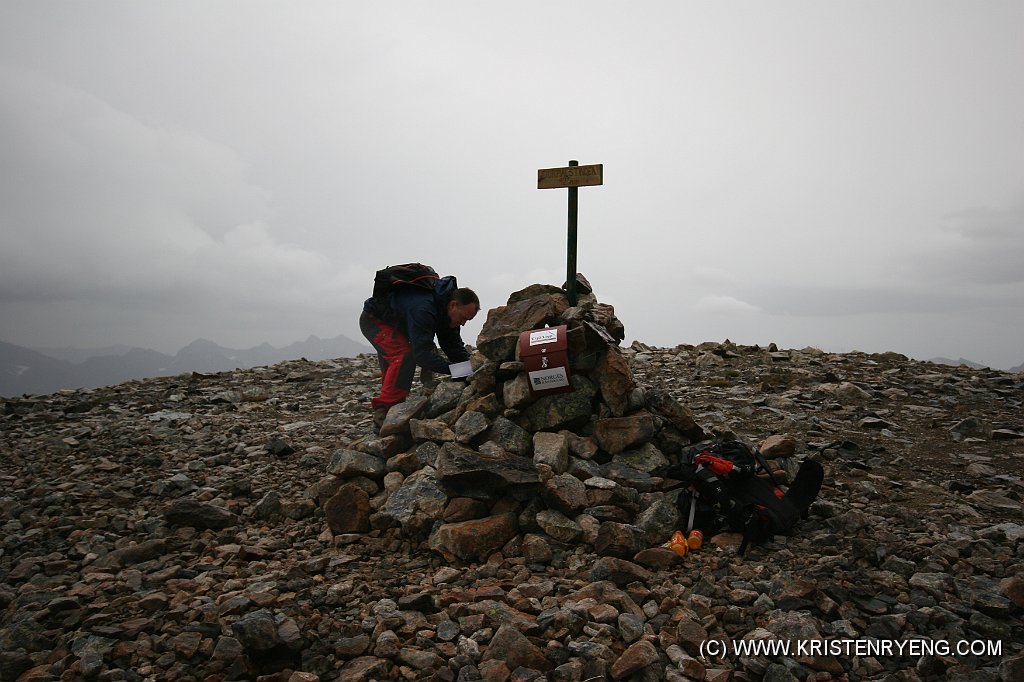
<point x="677" y="543"/>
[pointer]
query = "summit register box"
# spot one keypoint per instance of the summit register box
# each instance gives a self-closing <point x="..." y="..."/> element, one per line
<point x="545" y="356"/>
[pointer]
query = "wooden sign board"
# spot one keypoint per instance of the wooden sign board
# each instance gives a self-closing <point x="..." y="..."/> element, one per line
<point x="570" y="176"/>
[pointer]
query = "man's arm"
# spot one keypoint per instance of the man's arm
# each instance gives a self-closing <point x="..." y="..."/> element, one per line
<point x="452" y="344"/>
<point x="423" y="320"/>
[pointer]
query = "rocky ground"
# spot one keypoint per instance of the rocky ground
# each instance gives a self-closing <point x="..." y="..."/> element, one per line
<point x="178" y="528"/>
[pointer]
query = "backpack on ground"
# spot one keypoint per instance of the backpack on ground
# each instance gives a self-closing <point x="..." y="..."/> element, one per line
<point x="405" y="275"/>
<point x="725" y="493"/>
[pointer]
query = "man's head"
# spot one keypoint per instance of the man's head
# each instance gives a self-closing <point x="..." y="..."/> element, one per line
<point x="463" y="307"/>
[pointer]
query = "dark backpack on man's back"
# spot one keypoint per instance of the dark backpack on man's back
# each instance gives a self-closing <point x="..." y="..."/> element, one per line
<point x="406" y="275"/>
<point x="409" y="274"/>
<point x="725" y="493"/>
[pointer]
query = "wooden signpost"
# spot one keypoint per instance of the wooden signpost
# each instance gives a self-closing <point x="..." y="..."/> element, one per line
<point x="573" y="176"/>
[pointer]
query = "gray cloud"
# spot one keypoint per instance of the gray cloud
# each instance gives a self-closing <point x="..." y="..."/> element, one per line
<point x="982" y="246"/>
<point x="238" y="171"/>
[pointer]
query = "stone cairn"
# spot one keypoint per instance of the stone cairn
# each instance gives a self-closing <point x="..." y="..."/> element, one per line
<point x="480" y="467"/>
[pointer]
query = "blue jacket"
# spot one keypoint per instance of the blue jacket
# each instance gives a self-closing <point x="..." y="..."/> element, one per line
<point x="421" y="315"/>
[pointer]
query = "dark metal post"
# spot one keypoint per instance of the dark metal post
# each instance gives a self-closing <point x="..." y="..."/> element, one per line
<point x="571" y="250"/>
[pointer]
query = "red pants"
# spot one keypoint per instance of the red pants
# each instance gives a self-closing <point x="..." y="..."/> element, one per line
<point x="394" y="352"/>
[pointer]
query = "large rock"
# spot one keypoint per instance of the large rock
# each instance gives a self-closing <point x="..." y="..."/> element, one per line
<point x="606" y="592"/>
<point x="513" y="648"/>
<point x="347" y="463"/>
<point x="635" y="658"/>
<point x="470" y="425"/>
<point x="425" y="454"/>
<point x="473" y="540"/>
<point x="559" y="526"/>
<point x="510" y="437"/>
<point x="348" y="511"/>
<point x="445" y="397"/>
<point x="659" y="519"/>
<point x="256" y="631"/>
<point x="133" y="554"/>
<point x="516" y="391"/>
<point x="553" y="412"/>
<point x="430" y="430"/>
<point x="417" y="503"/>
<point x="190" y="512"/>
<point x="615" y="381"/>
<point x="777" y="446"/>
<point x="647" y="458"/>
<point x="499" y="336"/>
<point x="397" y="420"/>
<point x="551" y="449"/>
<point x="539" y="290"/>
<point x="462" y="472"/>
<point x="566" y="493"/>
<point x="616" y="434"/>
<point x="677" y="414"/>
<point x="620" y="540"/>
<point x="619" y="571"/>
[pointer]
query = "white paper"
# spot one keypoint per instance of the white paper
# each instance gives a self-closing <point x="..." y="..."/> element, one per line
<point x="543" y="336"/>
<point x="544" y="379"/>
<point x="460" y="369"/>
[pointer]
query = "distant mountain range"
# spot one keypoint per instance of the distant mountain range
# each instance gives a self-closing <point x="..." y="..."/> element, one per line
<point x="45" y="370"/>
<point x="973" y="365"/>
<point x="957" y="363"/>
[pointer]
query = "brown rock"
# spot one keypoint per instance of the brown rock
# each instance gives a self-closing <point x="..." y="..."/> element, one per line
<point x="551" y="449"/>
<point x="134" y="554"/>
<point x="606" y="592"/>
<point x="536" y="549"/>
<point x="499" y="337"/>
<point x="636" y="657"/>
<point x="469" y="473"/>
<point x="1013" y="589"/>
<point x="40" y="673"/>
<point x="775" y="447"/>
<point x="516" y="391"/>
<point x="616" y="434"/>
<point x="488" y="405"/>
<point x="566" y="493"/>
<point x="657" y="557"/>
<point x="364" y="669"/>
<point x="619" y="540"/>
<point x="303" y="677"/>
<point x="464" y="509"/>
<point x="730" y="542"/>
<point x="430" y="429"/>
<point x="515" y="650"/>
<point x="1011" y="669"/>
<point x="579" y="446"/>
<point x="677" y="414"/>
<point x="615" y="381"/>
<point x="473" y="540"/>
<point x="348" y="511"/>
<point x="690" y="635"/>
<point x="619" y="571"/>
<point x="494" y="671"/>
<point x="400" y="415"/>
<point x="796" y="594"/>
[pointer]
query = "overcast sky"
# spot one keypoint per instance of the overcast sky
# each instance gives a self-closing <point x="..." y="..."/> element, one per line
<point x="846" y="175"/>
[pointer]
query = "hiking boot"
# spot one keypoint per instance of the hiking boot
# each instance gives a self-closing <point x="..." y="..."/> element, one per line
<point x="379" y="414"/>
<point x="427" y="379"/>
